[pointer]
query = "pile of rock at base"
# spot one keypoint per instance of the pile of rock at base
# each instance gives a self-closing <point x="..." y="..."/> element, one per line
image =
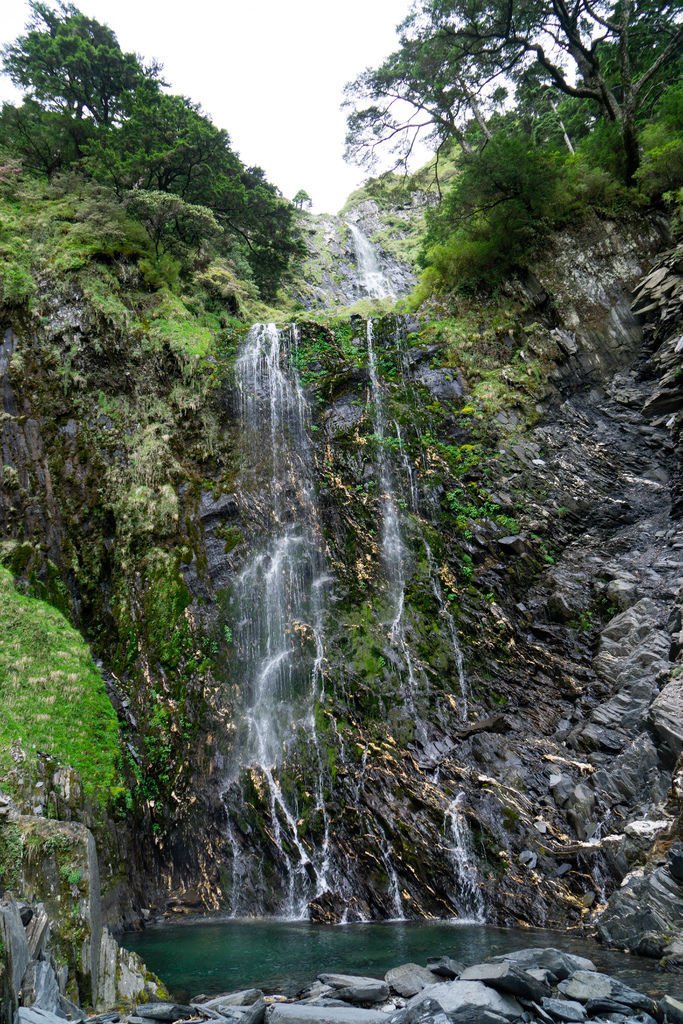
<point x="532" y="986"/>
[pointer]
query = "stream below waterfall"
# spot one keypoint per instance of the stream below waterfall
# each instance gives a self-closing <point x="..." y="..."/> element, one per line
<point x="213" y="956"/>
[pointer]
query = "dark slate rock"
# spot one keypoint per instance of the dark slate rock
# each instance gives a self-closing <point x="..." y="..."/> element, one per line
<point x="445" y="967"/>
<point x="295" y="1013"/>
<point x="245" y="997"/>
<point x="465" y="1001"/>
<point x="254" y="1014"/>
<point x="590" y="985"/>
<point x="672" y="1009"/>
<point x="217" y="508"/>
<point x="442" y="384"/>
<point x="354" y="989"/>
<point x="596" y="1007"/>
<point x="564" y="1010"/>
<point x="554" y="960"/>
<point x="427" y="1012"/>
<point x="675" y="859"/>
<point x="507" y="977"/>
<point x="164" y="1011"/>
<point x="408" y="979"/>
<point x="643" y="913"/>
<point x="40" y="988"/>
<point x="25" y="913"/>
<point x="34" y="1015"/>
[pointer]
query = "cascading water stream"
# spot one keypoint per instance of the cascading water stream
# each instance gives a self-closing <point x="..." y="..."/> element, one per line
<point x="469" y="897"/>
<point x="373" y="281"/>
<point x="279" y="599"/>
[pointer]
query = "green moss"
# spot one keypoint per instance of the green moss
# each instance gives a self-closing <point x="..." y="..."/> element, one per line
<point x="52" y="696"/>
<point x="10" y="855"/>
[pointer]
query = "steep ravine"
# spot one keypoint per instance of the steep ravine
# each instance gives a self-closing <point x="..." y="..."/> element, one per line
<point x="516" y="720"/>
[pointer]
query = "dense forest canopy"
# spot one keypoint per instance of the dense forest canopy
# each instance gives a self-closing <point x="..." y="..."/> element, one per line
<point x="91" y="108"/>
<point x="551" y="106"/>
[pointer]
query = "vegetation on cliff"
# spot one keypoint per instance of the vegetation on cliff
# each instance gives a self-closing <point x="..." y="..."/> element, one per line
<point x="53" y="698"/>
<point x="94" y="110"/>
<point x="552" y="109"/>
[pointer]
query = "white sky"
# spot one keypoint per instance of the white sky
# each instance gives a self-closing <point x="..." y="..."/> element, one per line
<point x="271" y="73"/>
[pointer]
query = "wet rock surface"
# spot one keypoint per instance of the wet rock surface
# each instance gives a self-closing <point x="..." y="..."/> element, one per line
<point x="524" y="764"/>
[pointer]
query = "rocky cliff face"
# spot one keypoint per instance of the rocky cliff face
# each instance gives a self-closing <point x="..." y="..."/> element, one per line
<point x="498" y="707"/>
<point x="331" y="276"/>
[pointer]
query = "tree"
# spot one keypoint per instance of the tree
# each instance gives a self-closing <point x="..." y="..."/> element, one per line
<point x="612" y="53"/>
<point x="302" y="199"/>
<point x="74" y="65"/>
<point x="172" y="224"/>
<point x="42" y="139"/>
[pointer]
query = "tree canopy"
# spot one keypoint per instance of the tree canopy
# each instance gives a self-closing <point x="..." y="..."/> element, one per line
<point x="459" y="60"/>
<point x="93" y="108"/>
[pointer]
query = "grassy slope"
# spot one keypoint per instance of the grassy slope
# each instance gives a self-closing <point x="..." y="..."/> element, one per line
<point x="53" y="699"/>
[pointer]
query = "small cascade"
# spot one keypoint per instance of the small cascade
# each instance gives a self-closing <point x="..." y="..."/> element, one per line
<point x="468" y="894"/>
<point x="394" y="889"/>
<point x="279" y="602"/>
<point x="447" y="617"/>
<point x="393" y="550"/>
<point x="373" y="282"/>
<point x="392" y="542"/>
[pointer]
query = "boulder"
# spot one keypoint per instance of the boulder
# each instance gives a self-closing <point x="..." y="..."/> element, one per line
<point x="34" y="1015"/>
<point x="588" y="986"/>
<point x="427" y="1012"/>
<point x="675" y="859"/>
<point x="672" y="1009"/>
<point x="354" y="989"/>
<point x="564" y="1010"/>
<point x="39" y="987"/>
<point x="644" y="913"/>
<point x="666" y="719"/>
<point x="445" y="967"/>
<point x="554" y="960"/>
<point x="296" y="1013"/>
<point x="245" y="997"/>
<point x="507" y="977"/>
<point x="408" y="979"/>
<point x="467" y="1000"/>
<point x="164" y="1011"/>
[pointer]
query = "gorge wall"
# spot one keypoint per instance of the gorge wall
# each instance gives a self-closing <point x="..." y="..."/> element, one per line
<point x="489" y="717"/>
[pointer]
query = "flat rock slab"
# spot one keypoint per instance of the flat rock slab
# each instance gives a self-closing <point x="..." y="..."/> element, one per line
<point x="554" y="960"/>
<point x="245" y="997"/>
<point x="672" y="1009"/>
<point x="32" y="1015"/>
<point x="462" y="999"/>
<point x="445" y="966"/>
<point x="586" y="986"/>
<point x="355" y="989"/>
<point x="164" y="1011"/>
<point x="295" y="1013"/>
<point x="408" y="979"/>
<point x="509" y="978"/>
<point x="565" y="1010"/>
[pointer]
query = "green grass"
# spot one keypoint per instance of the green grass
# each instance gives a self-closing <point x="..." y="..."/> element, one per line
<point x="52" y="697"/>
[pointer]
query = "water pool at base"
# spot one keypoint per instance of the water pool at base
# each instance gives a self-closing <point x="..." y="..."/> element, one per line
<point x="219" y="955"/>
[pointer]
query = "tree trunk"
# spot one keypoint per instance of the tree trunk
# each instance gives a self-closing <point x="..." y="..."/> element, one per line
<point x="629" y="137"/>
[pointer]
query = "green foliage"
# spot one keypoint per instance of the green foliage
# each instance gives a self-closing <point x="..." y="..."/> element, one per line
<point x="10" y="856"/>
<point x="73" y="64"/>
<point x="95" y="109"/>
<point x="495" y="215"/>
<point x="52" y="696"/>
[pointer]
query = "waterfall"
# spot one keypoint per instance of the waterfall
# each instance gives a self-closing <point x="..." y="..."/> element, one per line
<point x="393" y="551"/>
<point x="468" y="896"/>
<point x="374" y="282"/>
<point x="279" y="600"/>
